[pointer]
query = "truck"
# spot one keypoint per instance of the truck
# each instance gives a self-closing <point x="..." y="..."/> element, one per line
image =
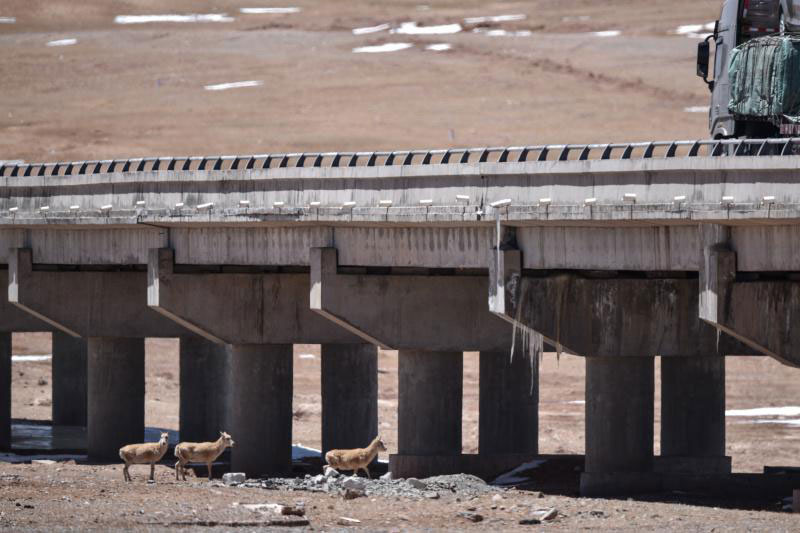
<point x="747" y="27"/>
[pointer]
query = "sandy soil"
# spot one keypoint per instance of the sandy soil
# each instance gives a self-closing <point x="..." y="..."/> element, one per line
<point x="138" y="90"/>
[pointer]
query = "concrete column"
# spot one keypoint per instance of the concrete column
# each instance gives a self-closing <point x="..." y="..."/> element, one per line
<point x="349" y="395"/>
<point x="429" y="405"/>
<point x="693" y="413"/>
<point x="69" y="374"/>
<point x="5" y="391"/>
<point x="619" y="425"/>
<point x="261" y="408"/>
<point x="116" y="395"/>
<point x="509" y="404"/>
<point x="204" y="393"/>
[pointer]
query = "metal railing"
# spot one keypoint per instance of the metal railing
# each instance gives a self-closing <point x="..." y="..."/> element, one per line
<point x="511" y="154"/>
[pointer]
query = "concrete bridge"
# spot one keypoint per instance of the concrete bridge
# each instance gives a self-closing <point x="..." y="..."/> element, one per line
<point x="618" y="253"/>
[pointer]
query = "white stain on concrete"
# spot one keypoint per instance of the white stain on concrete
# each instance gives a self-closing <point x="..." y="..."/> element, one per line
<point x="146" y="19"/>
<point x="7" y="20"/>
<point x="381" y="48"/>
<point x="371" y="29"/>
<point x="607" y="33"/>
<point x="31" y="358"/>
<point x="439" y="47"/>
<point x="495" y="18"/>
<point x="696" y="109"/>
<point x="63" y="42"/>
<point x="234" y="85"/>
<point x="412" y="28"/>
<point x="765" y="411"/>
<point x="269" y="10"/>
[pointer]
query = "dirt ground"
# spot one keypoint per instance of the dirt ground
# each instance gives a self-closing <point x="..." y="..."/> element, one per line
<point x="139" y="90"/>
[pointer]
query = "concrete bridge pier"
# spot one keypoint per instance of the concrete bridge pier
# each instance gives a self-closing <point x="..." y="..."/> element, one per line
<point x="349" y="395"/>
<point x="693" y="415"/>
<point x="69" y="379"/>
<point x="261" y="409"/>
<point x="115" y="395"/>
<point x="5" y="391"/>
<point x="204" y="389"/>
<point x="619" y="426"/>
<point x="430" y="388"/>
<point x="509" y="404"/>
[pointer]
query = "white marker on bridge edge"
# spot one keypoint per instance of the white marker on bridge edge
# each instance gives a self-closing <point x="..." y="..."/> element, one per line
<point x="348" y="205"/>
<point x="141" y="203"/>
<point x="727" y="200"/>
<point x="208" y="205"/>
<point x="106" y="207"/>
<point x="179" y="205"/>
<point x="385" y="203"/>
<point x="244" y="203"/>
<point x="44" y="208"/>
<point x="629" y="197"/>
<point x="462" y="198"/>
<point x="545" y="201"/>
<point x="679" y="199"/>
<point x="590" y="201"/>
<point x="426" y="202"/>
<point x="768" y="200"/>
<point x="314" y="204"/>
<point x="74" y="207"/>
<point x="13" y="209"/>
<point x="501" y="203"/>
<point x="278" y="204"/>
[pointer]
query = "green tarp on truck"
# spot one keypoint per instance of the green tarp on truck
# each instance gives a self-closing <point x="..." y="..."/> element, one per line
<point x="765" y="79"/>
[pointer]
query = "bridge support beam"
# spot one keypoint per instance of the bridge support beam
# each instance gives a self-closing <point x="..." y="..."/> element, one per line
<point x="430" y="386"/>
<point x="69" y="377"/>
<point x="349" y="395"/>
<point x="619" y="426"/>
<point x="115" y="396"/>
<point x="693" y="415"/>
<point x="204" y="389"/>
<point x="261" y="409"/>
<point x="509" y="403"/>
<point x="5" y="391"/>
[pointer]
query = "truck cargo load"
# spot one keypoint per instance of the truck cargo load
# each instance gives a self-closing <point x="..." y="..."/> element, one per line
<point x="764" y="76"/>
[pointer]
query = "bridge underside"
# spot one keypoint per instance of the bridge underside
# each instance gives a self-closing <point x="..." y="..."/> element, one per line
<point x="620" y="262"/>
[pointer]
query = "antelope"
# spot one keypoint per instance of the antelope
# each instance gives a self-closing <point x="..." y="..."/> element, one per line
<point x="200" y="452"/>
<point x="356" y="459"/>
<point x="141" y="454"/>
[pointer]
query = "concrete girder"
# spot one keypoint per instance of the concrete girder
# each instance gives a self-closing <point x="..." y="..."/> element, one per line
<point x="605" y="317"/>
<point x="431" y="313"/>
<point x="239" y="308"/>
<point x="761" y="314"/>
<point x="86" y="304"/>
<point x="13" y="319"/>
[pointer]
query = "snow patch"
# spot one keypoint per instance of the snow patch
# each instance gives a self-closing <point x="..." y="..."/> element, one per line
<point x="514" y="476"/>
<point x="17" y="459"/>
<point x="765" y="411"/>
<point x="439" y="47"/>
<point x="144" y="19"/>
<point x="577" y="402"/>
<point x="7" y="20"/>
<point x="301" y="452"/>
<point x="31" y="358"/>
<point x="371" y="29"/>
<point x="697" y="109"/>
<point x="503" y="33"/>
<point x="307" y="356"/>
<point x="784" y="422"/>
<point x="377" y="49"/>
<point x="495" y="18"/>
<point x="63" y="42"/>
<point x="607" y="33"/>
<point x="411" y="28"/>
<point x="269" y="10"/>
<point x="695" y="31"/>
<point x="234" y="85"/>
